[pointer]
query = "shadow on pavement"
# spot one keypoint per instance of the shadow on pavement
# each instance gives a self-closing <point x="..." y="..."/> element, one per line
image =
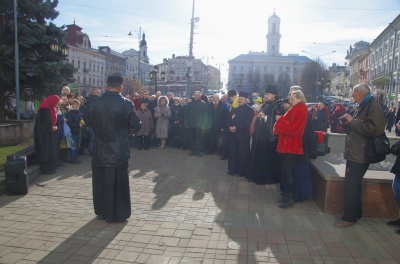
<point x="86" y="244"/>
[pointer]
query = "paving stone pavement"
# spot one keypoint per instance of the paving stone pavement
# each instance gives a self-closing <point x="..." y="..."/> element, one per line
<point x="184" y="210"/>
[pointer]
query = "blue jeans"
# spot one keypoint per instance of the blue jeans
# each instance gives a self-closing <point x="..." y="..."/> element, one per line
<point x="396" y="188"/>
<point x="77" y="143"/>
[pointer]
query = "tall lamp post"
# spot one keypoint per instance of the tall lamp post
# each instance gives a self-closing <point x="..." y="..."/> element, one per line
<point x="317" y="82"/>
<point x="190" y="60"/>
<point x="153" y="75"/>
<point x="138" y="36"/>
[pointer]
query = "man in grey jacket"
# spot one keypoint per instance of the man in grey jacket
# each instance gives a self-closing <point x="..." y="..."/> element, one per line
<point x="368" y="121"/>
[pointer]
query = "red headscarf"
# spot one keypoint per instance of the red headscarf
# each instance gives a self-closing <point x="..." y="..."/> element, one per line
<point x="51" y="103"/>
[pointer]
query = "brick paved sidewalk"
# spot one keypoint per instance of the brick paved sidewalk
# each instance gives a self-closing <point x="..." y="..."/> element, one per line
<point x="184" y="210"/>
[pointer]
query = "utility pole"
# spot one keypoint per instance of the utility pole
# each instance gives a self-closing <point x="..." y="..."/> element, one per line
<point x="190" y="60"/>
<point x="16" y="61"/>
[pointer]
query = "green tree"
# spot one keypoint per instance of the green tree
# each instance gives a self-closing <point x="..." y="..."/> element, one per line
<point x="40" y="69"/>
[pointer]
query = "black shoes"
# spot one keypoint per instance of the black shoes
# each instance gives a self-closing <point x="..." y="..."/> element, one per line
<point x="231" y="173"/>
<point x="286" y="202"/>
<point x="223" y="158"/>
<point x="192" y="153"/>
<point x="101" y="217"/>
<point x="394" y="223"/>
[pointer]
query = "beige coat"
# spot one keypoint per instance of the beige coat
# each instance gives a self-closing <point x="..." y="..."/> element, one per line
<point x="361" y="127"/>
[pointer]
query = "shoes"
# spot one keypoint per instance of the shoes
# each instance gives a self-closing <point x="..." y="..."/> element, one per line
<point x="394" y="222"/>
<point x="344" y="224"/>
<point x="223" y="158"/>
<point x="101" y="217"/>
<point x="192" y="154"/>
<point x="242" y="174"/>
<point x="60" y="164"/>
<point x="231" y="173"/>
<point x="139" y="148"/>
<point x="288" y="201"/>
<point x="283" y="198"/>
<point x="207" y="153"/>
<point x="398" y="231"/>
<point x="198" y="154"/>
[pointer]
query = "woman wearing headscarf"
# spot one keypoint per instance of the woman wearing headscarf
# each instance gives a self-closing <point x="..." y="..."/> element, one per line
<point x="162" y="113"/>
<point x="45" y="134"/>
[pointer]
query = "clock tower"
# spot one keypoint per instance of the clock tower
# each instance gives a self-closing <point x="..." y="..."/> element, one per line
<point x="273" y="36"/>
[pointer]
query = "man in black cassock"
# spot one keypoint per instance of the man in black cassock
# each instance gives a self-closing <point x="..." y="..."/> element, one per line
<point x="239" y="136"/>
<point x="113" y="118"/>
<point x="264" y="162"/>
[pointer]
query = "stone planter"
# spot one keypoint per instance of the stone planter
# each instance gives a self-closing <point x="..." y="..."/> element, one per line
<point x="15" y="132"/>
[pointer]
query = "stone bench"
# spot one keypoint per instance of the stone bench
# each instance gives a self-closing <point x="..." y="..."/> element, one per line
<point x="378" y="200"/>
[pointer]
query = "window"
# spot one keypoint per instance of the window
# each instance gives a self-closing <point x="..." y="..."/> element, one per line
<point x="84" y="65"/>
<point x="90" y="80"/>
<point x="73" y="63"/>
<point x="84" y="80"/>
<point x="273" y="47"/>
<point x="265" y="68"/>
<point x="390" y="65"/>
<point x="396" y="59"/>
<point x="79" y="64"/>
<point x="79" y="79"/>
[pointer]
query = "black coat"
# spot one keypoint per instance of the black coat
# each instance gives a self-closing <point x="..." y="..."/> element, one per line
<point x="196" y="114"/>
<point x="45" y="139"/>
<point x="241" y="118"/>
<point x="113" y="118"/>
<point x="73" y="120"/>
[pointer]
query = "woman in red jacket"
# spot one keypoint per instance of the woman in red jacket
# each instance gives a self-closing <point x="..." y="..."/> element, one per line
<point x="290" y="128"/>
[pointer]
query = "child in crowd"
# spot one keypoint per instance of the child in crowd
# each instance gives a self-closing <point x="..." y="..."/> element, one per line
<point x="75" y="123"/>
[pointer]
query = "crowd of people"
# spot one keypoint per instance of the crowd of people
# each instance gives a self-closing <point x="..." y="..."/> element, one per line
<point x="265" y="139"/>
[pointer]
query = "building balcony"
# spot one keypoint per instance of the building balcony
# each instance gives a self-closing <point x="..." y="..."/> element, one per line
<point x="380" y="78"/>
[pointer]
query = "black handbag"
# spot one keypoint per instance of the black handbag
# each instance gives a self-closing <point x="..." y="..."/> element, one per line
<point x="377" y="148"/>
<point x="395" y="149"/>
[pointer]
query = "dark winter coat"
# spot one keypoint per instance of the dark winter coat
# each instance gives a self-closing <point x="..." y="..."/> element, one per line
<point x="196" y="114"/>
<point x="363" y="125"/>
<point x="45" y="139"/>
<point x="73" y="120"/>
<point x="113" y="118"/>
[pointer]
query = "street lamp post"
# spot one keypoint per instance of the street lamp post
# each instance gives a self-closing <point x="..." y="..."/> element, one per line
<point x="190" y="60"/>
<point x="138" y="36"/>
<point x="153" y="75"/>
<point x="317" y="82"/>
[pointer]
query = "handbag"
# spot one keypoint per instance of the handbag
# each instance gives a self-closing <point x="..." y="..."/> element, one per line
<point x="395" y="149"/>
<point x="377" y="148"/>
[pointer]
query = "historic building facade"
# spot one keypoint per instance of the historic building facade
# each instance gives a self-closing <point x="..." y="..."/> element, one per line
<point x="384" y="64"/>
<point x="89" y="64"/>
<point x="251" y="72"/>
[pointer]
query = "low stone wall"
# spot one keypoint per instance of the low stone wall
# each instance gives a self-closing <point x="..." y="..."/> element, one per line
<point x="328" y="173"/>
<point x="336" y="141"/>
<point x="15" y="132"/>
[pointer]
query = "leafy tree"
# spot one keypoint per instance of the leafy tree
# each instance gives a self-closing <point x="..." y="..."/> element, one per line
<point x="40" y="69"/>
<point x="310" y="74"/>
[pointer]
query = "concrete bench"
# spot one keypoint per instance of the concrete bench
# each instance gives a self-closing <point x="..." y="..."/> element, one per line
<point x="328" y="173"/>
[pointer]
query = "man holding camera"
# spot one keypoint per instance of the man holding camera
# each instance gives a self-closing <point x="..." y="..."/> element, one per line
<point x="368" y="121"/>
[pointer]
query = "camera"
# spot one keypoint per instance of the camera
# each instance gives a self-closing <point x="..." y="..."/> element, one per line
<point x="343" y="120"/>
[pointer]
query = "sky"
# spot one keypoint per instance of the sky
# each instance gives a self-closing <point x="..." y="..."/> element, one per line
<point x="228" y="28"/>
